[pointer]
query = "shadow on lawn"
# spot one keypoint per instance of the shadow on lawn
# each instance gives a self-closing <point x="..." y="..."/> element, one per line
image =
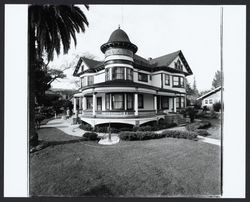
<point x="44" y="144"/>
<point x="100" y="190"/>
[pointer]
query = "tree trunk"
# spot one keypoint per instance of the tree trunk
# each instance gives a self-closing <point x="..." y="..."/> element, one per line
<point x="33" y="138"/>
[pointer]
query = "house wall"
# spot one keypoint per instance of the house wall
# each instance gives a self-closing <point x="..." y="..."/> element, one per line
<point x="215" y="97"/>
<point x="148" y="102"/>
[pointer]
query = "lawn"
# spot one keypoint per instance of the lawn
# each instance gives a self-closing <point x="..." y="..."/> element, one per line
<point x="163" y="167"/>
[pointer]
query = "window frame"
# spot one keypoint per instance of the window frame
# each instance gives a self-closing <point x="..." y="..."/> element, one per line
<point x="167" y="83"/>
<point x="92" y="80"/>
<point x="131" y="74"/>
<point x="180" y="81"/>
<point x="123" y="103"/>
<point x="114" y="73"/>
<point x="143" y="77"/>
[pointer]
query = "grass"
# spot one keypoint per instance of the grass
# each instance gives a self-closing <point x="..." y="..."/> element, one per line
<point x="215" y="129"/>
<point x="162" y="167"/>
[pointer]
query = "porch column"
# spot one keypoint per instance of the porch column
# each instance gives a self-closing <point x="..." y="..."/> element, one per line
<point x="74" y="104"/>
<point x="110" y="101"/>
<point x="80" y="103"/>
<point x="110" y="73"/>
<point x="136" y="104"/>
<point x="155" y="103"/>
<point x="84" y="103"/>
<point x="170" y="104"/>
<point x="125" y="101"/>
<point x="94" y="104"/>
<point x="174" y="104"/>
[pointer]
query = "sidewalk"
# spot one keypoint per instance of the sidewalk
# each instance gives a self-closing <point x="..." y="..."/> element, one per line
<point x="67" y="127"/>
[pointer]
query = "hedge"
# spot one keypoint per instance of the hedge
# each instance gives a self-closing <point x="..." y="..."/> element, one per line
<point x="139" y="135"/>
<point x="198" y="125"/>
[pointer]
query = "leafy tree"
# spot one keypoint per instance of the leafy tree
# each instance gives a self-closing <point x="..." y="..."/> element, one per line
<point x="49" y="27"/>
<point x="217" y="79"/>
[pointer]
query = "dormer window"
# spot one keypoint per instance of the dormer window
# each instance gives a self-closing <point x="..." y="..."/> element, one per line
<point x="178" y="65"/>
<point x="82" y="68"/>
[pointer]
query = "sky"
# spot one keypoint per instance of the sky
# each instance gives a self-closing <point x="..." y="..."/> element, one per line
<point x="156" y="30"/>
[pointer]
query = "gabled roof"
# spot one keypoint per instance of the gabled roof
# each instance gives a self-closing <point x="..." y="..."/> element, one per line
<point x="164" y="60"/>
<point x="92" y="64"/>
<point x="209" y="93"/>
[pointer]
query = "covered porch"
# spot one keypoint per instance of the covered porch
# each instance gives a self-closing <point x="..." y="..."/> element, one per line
<point x="125" y="103"/>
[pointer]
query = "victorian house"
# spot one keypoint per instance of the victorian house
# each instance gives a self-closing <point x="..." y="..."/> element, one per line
<point x="126" y="88"/>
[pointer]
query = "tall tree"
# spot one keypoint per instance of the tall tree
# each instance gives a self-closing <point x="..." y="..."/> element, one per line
<point x="217" y="79"/>
<point x="49" y="26"/>
<point x="195" y="90"/>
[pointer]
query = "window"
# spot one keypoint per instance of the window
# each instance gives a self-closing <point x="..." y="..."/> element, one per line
<point x="90" y="80"/>
<point x="82" y="68"/>
<point x="107" y="101"/>
<point x="140" y="101"/>
<point x="99" y="104"/>
<point x="129" y="74"/>
<point x="178" y="81"/>
<point x="167" y="79"/>
<point x="177" y="102"/>
<point x="182" y="102"/>
<point x="164" y="102"/>
<point x="89" y="101"/>
<point x="129" y="101"/>
<point x="107" y="74"/>
<point x="118" y="100"/>
<point x="82" y="82"/>
<point x="142" y="77"/>
<point x="178" y="65"/>
<point x="118" y="73"/>
<point x="150" y="77"/>
<point x="206" y="102"/>
<point x="210" y="101"/>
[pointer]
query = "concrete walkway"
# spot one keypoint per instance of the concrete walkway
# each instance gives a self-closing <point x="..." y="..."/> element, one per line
<point x="67" y="127"/>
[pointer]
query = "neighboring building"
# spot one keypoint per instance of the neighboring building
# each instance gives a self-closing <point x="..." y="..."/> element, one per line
<point x="210" y="98"/>
<point x="126" y="88"/>
<point x="62" y="93"/>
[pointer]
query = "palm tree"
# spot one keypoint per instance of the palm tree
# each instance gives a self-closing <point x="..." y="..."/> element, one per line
<point x="50" y="28"/>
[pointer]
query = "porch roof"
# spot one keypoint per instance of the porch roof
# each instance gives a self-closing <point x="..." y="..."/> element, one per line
<point x="128" y="83"/>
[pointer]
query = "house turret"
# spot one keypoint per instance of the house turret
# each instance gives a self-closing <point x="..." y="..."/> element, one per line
<point x="119" y="53"/>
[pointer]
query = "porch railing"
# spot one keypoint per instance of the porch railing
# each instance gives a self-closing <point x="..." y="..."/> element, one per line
<point x="131" y="113"/>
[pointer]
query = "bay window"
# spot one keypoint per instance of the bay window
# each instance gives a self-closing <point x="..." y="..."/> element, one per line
<point x="129" y="74"/>
<point x="89" y="103"/>
<point x="178" y="81"/>
<point x="118" y="73"/>
<point x="130" y="101"/>
<point x="118" y="101"/>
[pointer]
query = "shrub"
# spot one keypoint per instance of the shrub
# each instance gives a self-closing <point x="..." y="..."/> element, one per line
<point x="90" y="136"/>
<point x="126" y="129"/>
<point x="180" y="134"/>
<point x="140" y="135"/>
<point x="145" y="128"/>
<point x="202" y="132"/>
<point x="191" y="112"/>
<point x="99" y="129"/>
<point x="86" y="127"/>
<point x="198" y="125"/>
<point x="217" y="106"/>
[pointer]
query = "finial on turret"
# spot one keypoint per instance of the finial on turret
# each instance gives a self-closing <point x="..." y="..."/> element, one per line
<point x="119" y="26"/>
